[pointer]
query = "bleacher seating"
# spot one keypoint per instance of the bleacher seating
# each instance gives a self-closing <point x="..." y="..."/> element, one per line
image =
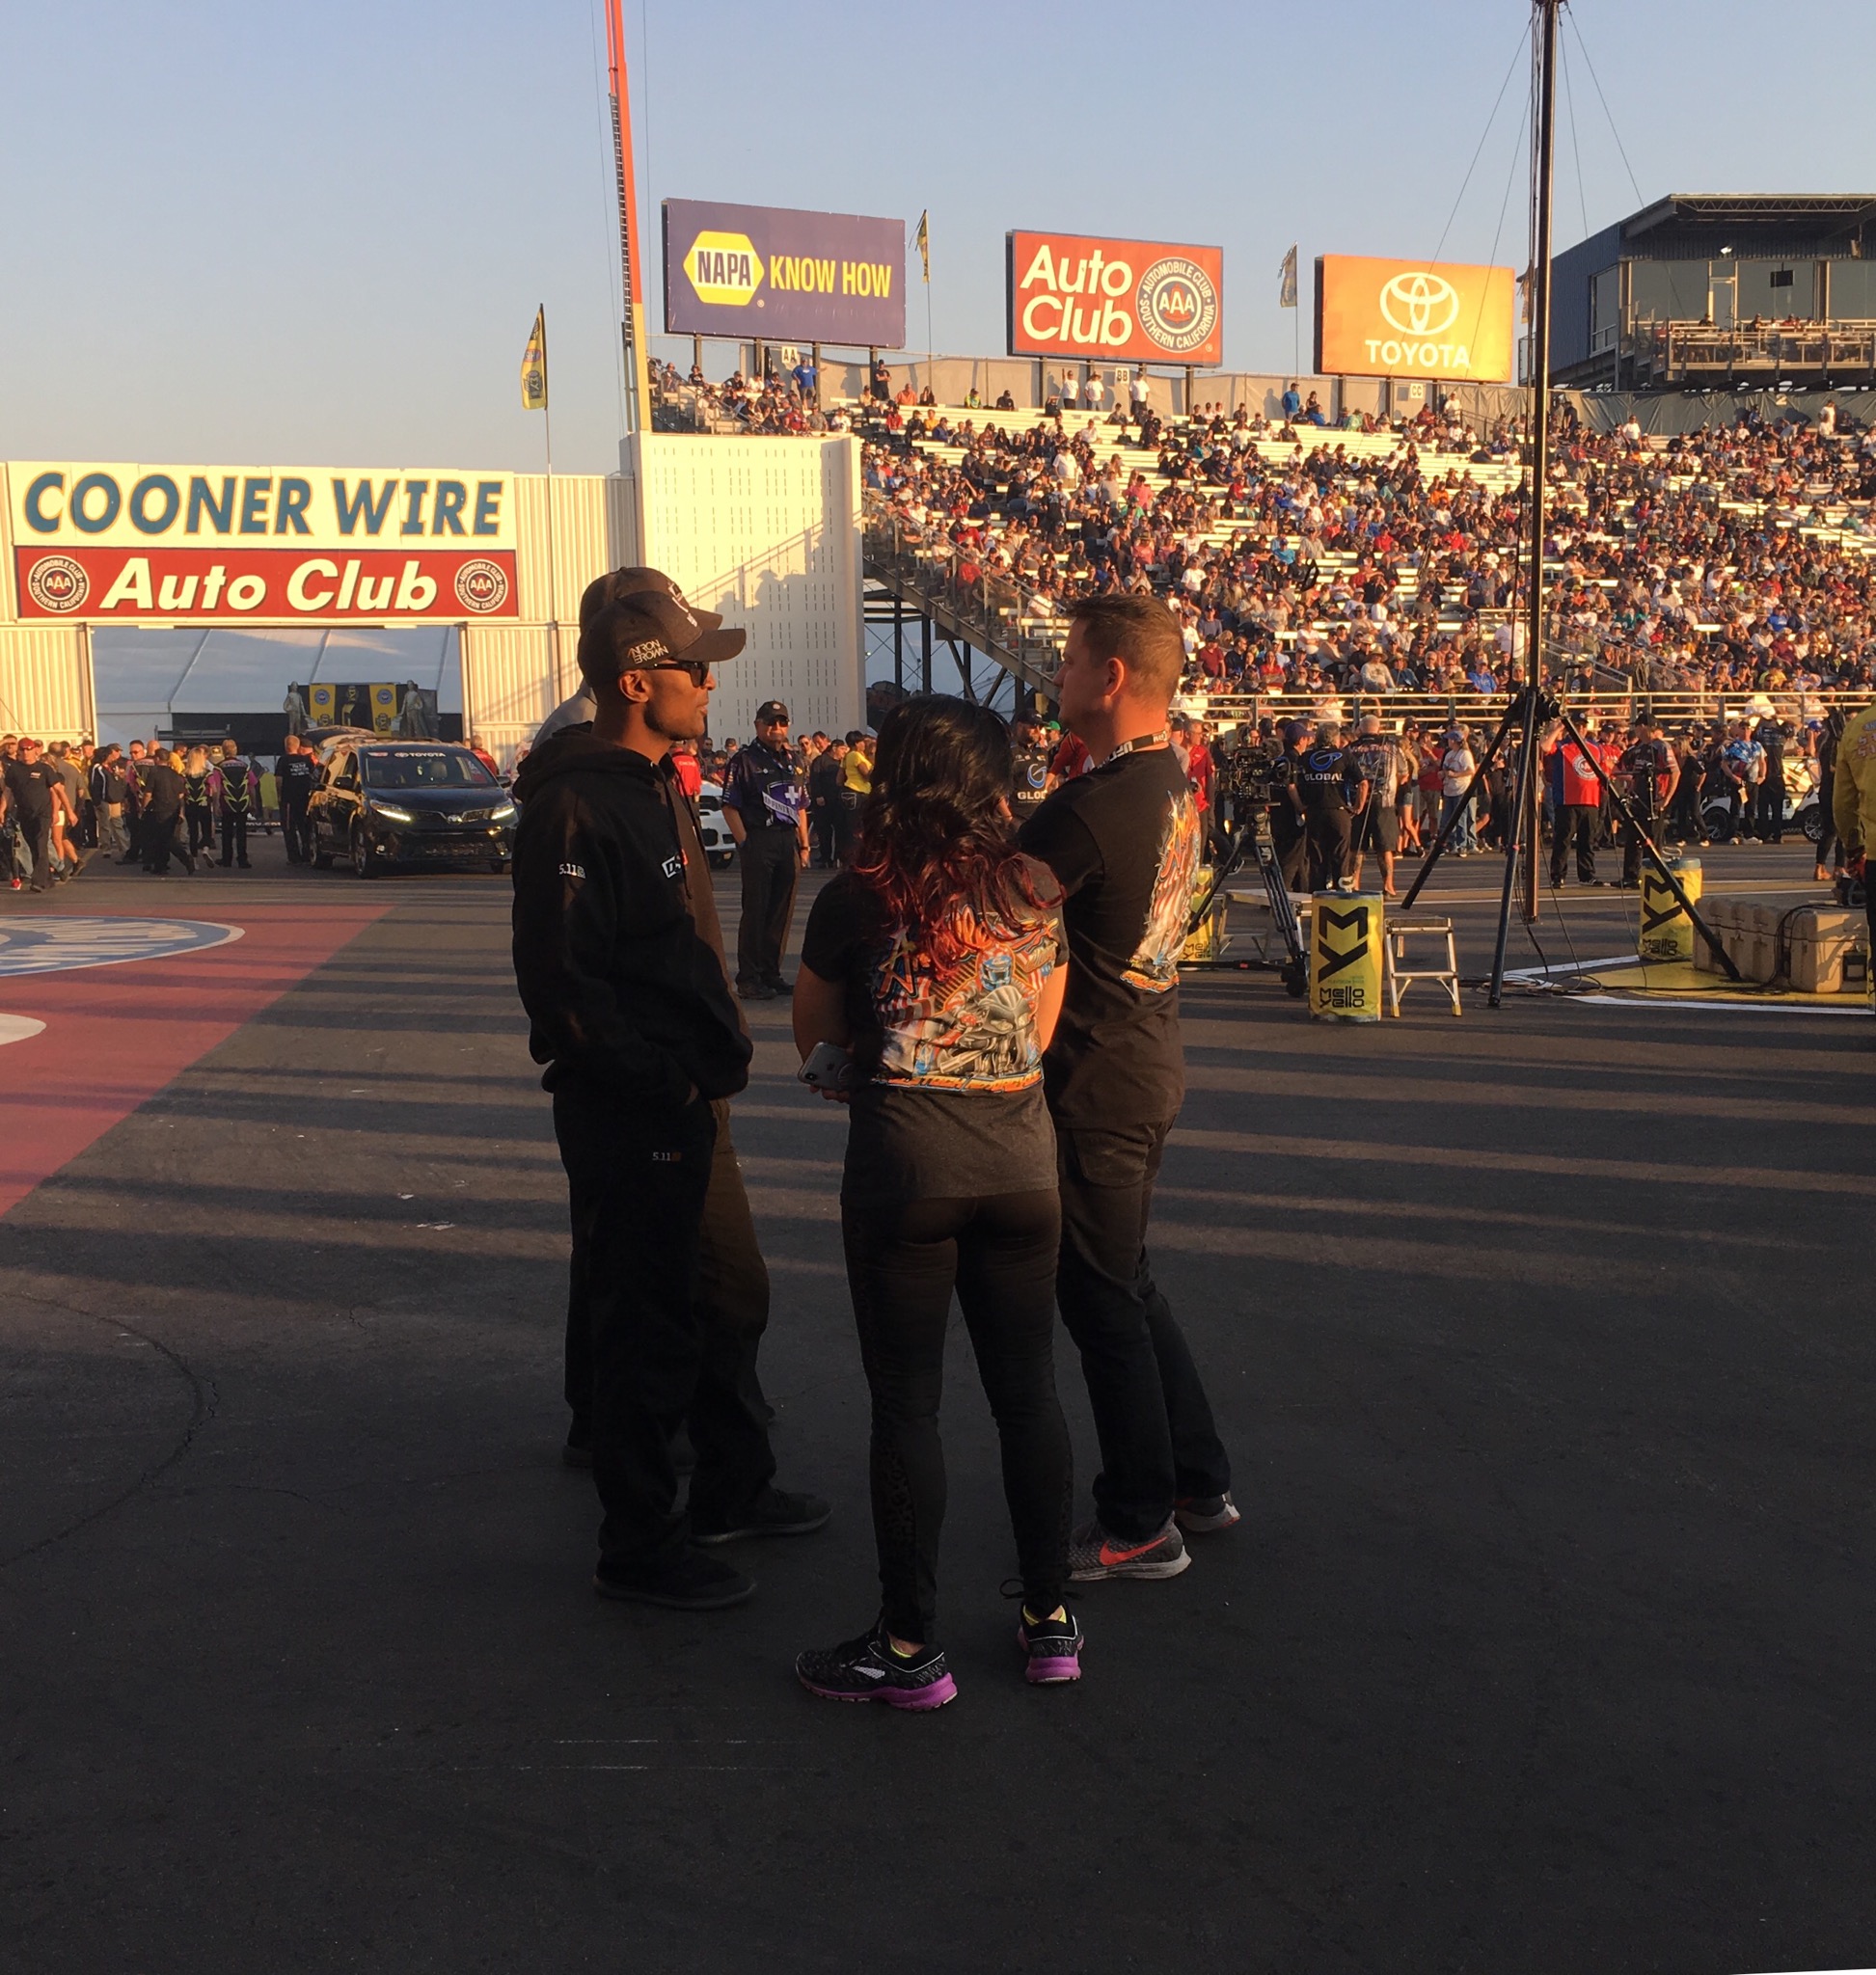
<point x="1598" y="545"/>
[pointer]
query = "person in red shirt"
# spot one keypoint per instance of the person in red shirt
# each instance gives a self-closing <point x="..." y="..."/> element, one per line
<point x="1071" y="759"/>
<point x="482" y="755"/>
<point x="686" y="769"/>
<point x="1576" y="798"/>
<point x="1191" y="745"/>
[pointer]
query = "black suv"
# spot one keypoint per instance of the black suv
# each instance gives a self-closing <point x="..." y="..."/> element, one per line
<point x="382" y="803"/>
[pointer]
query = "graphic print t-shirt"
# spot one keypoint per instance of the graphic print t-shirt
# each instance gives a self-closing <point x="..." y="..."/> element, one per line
<point x="1123" y="841"/>
<point x="953" y="1099"/>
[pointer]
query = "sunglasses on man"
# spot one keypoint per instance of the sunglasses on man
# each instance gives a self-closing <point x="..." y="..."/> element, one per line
<point x="697" y="668"/>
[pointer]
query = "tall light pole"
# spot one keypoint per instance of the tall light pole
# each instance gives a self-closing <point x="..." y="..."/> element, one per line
<point x="638" y="380"/>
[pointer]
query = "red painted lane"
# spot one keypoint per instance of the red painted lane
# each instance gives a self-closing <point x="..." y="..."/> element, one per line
<point x="115" y="1035"/>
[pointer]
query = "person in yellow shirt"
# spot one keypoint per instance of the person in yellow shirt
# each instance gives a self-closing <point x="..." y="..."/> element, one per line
<point x="1852" y="805"/>
<point x="856" y="785"/>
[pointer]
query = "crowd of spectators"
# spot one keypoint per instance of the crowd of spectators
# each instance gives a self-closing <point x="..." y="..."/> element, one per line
<point x="1730" y="560"/>
<point x="780" y="401"/>
<point x="64" y="802"/>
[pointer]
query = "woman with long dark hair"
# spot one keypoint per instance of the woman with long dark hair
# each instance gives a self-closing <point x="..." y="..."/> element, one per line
<point x="937" y="964"/>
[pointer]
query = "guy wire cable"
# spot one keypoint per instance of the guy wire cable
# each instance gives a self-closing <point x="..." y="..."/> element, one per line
<point x="1633" y="183"/>
<point x="1576" y="149"/>
<point x="1510" y="69"/>
<point x="1504" y="206"/>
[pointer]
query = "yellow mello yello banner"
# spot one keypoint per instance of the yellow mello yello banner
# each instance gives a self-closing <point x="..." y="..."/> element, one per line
<point x="1407" y="319"/>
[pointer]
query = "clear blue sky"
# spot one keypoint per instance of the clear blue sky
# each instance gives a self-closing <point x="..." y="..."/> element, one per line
<point x="317" y="233"/>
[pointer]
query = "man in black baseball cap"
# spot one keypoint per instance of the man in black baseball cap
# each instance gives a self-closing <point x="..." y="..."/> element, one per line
<point x="765" y="805"/>
<point x="1029" y="758"/>
<point x="611" y="588"/>
<point x="619" y="961"/>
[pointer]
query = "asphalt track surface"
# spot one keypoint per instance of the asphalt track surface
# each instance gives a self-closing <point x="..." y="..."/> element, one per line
<point x="1543" y="1340"/>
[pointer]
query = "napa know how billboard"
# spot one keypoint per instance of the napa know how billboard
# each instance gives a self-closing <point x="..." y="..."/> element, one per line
<point x="1101" y="300"/>
<point x="1405" y="318"/>
<point x="115" y="543"/>
<point x="767" y="273"/>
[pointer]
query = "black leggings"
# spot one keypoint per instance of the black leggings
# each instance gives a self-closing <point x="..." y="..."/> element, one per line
<point x="903" y="1260"/>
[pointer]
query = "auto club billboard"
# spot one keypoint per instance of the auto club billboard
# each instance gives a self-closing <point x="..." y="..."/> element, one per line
<point x="1404" y="319"/>
<point x="1099" y="300"/>
<point x="112" y="543"/>
<point x="769" y="273"/>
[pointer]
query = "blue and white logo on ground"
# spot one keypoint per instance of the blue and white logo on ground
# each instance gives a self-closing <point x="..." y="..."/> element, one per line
<point x="46" y="944"/>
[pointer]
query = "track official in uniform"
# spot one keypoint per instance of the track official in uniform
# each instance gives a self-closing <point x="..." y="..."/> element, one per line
<point x="630" y="1010"/>
<point x="765" y="806"/>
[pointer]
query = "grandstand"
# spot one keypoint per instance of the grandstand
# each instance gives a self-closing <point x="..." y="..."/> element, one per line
<point x="1374" y="564"/>
<point x="1451" y="632"/>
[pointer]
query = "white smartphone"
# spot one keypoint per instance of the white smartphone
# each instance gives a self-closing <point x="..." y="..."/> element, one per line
<point x="828" y="1067"/>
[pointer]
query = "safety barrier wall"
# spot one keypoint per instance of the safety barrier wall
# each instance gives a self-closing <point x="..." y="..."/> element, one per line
<point x="514" y="675"/>
<point x="594" y="527"/>
<point x="767" y="532"/>
<point x="46" y="682"/>
<point x="510" y="683"/>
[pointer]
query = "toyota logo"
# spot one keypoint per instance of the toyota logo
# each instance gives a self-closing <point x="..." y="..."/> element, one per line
<point x="1419" y="304"/>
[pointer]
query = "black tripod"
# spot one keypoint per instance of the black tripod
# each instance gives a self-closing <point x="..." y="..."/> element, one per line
<point x="1532" y="708"/>
<point x="1250" y="836"/>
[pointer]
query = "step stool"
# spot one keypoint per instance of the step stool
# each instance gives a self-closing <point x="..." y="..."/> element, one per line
<point x="1395" y="978"/>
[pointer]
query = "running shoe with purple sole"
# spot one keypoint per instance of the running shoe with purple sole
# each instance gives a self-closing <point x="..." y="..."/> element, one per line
<point x="1053" y="1648"/>
<point x="868" y="1669"/>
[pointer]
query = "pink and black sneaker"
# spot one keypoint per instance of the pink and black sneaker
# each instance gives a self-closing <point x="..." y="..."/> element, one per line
<point x="1053" y="1647"/>
<point x="870" y="1668"/>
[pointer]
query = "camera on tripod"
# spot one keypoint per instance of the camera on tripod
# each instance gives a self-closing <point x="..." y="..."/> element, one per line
<point x="1245" y="775"/>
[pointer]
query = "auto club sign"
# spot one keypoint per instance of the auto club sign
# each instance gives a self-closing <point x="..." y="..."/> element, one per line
<point x="104" y="543"/>
<point x="1099" y="299"/>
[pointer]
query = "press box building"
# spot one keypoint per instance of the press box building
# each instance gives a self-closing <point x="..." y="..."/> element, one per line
<point x="1707" y="290"/>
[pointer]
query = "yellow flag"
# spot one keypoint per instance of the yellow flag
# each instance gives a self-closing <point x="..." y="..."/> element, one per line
<point x="533" y="366"/>
<point x="922" y="240"/>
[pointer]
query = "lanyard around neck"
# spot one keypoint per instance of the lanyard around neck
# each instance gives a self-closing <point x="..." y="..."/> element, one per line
<point x="1158" y="740"/>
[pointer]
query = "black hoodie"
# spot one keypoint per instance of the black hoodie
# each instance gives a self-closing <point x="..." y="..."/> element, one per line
<point x="620" y="986"/>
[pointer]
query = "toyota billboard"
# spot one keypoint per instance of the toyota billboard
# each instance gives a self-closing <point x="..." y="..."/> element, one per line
<point x="1402" y="319"/>
<point x="767" y="273"/>
<point x="1098" y="300"/>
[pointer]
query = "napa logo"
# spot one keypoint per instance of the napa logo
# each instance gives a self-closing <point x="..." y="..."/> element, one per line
<point x="725" y="269"/>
